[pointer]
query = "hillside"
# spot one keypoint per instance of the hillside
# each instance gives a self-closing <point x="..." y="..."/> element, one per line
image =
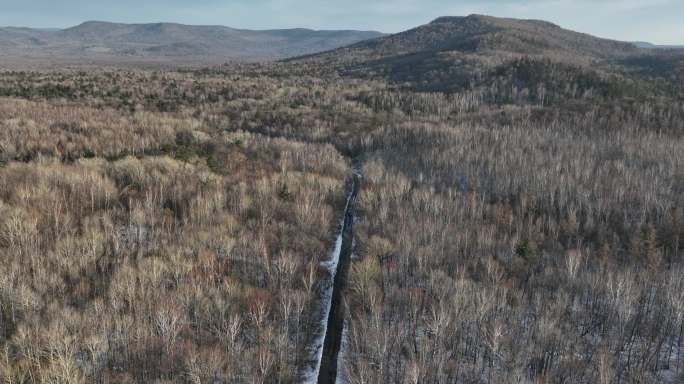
<point x="326" y="220"/>
<point x="478" y="34"/>
<point x="481" y="34"/>
<point x="165" y="41"/>
<point x="457" y="53"/>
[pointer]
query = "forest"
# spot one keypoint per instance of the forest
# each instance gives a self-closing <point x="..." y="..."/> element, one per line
<point x="525" y="225"/>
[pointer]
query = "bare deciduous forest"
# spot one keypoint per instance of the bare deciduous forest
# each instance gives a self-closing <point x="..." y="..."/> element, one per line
<point x="523" y="226"/>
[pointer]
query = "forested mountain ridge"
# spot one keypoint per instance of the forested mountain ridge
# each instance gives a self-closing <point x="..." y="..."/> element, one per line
<point x="478" y="33"/>
<point x="478" y="52"/>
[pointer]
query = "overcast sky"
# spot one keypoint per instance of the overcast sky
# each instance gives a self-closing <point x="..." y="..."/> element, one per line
<point x="657" y="21"/>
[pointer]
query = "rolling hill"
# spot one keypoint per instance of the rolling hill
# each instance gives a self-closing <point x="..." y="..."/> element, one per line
<point x="453" y="53"/>
<point x="169" y="41"/>
<point x="487" y="35"/>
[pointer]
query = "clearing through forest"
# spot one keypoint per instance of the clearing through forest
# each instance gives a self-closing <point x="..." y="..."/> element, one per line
<point x="327" y="340"/>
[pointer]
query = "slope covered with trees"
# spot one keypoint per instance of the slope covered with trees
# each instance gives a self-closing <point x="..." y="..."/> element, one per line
<point x="176" y="226"/>
<point x="455" y="54"/>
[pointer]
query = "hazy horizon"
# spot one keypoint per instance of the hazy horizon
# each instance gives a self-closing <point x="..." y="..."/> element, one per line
<point x="654" y="21"/>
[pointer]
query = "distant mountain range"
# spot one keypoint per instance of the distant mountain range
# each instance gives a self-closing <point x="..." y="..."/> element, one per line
<point x="643" y="44"/>
<point x="463" y="45"/>
<point x="168" y="41"/>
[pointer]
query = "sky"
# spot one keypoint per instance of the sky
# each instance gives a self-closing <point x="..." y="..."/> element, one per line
<point x="656" y="21"/>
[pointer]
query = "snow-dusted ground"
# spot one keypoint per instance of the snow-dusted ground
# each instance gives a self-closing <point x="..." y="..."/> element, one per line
<point x="310" y="375"/>
<point x="340" y="378"/>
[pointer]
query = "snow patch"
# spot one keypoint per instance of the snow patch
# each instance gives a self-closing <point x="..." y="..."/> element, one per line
<point x="340" y="378"/>
<point x="327" y="287"/>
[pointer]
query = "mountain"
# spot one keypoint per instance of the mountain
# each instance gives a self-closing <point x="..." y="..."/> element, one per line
<point x="478" y="34"/>
<point x="647" y="45"/>
<point x="453" y="53"/>
<point x="168" y="41"/>
<point x="19" y="37"/>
